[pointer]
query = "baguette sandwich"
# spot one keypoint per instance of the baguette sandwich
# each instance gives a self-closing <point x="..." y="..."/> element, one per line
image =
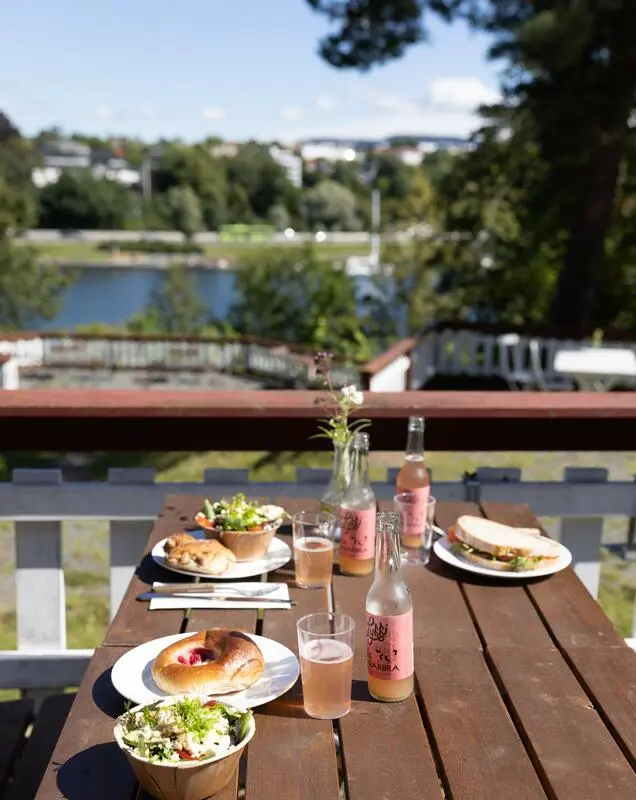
<point x="501" y="547"/>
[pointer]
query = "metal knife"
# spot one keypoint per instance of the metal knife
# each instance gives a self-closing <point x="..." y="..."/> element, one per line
<point x="214" y="596"/>
<point x="209" y="588"/>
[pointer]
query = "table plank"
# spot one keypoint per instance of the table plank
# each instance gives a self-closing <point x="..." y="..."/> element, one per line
<point x="569" y="743"/>
<point x="386" y="752"/>
<point x="133" y="623"/>
<point x="568" y="610"/>
<point x="302" y="748"/>
<point x="609" y="677"/>
<point x="286" y="759"/>
<point x="482" y="754"/>
<point x="90" y="762"/>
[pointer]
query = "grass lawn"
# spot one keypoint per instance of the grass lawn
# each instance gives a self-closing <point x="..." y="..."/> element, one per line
<point x="83" y="251"/>
<point x="85" y="544"/>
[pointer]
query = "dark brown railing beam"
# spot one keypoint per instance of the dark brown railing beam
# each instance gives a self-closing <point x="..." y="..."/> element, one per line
<point x="148" y="420"/>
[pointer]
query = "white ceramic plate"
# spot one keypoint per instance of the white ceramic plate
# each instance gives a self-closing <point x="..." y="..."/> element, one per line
<point x="132" y="677"/>
<point x="276" y="556"/>
<point x="443" y="549"/>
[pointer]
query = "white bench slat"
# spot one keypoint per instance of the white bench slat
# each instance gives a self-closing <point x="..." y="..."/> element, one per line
<point x="582" y="535"/>
<point x="40" y="595"/>
<point x="127" y="540"/>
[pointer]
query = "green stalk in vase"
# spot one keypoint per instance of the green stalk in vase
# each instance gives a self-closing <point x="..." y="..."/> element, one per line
<point x="338" y="427"/>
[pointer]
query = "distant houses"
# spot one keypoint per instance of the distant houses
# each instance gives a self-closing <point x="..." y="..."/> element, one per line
<point x="65" y="154"/>
<point x="411" y="150"/>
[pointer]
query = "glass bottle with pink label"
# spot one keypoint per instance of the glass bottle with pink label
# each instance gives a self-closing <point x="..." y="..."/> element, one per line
<point x="357" y="514"/>
<point x="389" y="618"/>
<point x="414" y="480"/>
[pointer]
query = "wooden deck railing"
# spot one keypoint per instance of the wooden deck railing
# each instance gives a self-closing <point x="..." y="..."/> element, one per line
<point x="517" y="356"/>
<point x="89" y="420"/>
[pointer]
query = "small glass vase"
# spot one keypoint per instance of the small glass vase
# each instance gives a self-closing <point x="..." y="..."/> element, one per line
<point x="338" y="482"/>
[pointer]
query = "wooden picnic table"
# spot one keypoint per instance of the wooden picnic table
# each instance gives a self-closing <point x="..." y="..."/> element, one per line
<point x="524" y="691"/>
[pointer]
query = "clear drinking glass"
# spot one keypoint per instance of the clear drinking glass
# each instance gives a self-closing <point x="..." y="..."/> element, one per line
<point x="419" y="518"/>
<point x="314" y="534"/>
<point x="325" y="646"/>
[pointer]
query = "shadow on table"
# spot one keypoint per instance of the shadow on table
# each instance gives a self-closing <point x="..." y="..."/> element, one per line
<point x="438" y="567"/>
<point x="149" y="571"/>
<point x="291" y="703"/>
<point x="106" y="697"/>
<point x="100" y="771"/>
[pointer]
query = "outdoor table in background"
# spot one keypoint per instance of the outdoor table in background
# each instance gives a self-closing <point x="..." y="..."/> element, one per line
<point x="597" y="368"/>
<point x="524" y="691"/>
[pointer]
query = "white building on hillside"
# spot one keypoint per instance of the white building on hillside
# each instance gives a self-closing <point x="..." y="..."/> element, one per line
<point x="66" y="154"/>
<point x="315" y="151"/>
<point x="290" y="162"/>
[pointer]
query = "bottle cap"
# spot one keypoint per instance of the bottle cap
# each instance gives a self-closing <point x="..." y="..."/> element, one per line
<point x="360" y="440"/>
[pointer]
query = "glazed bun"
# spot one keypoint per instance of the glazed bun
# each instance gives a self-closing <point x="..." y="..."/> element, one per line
<point x="207" y="556"/>
<point x="211" y="662"/>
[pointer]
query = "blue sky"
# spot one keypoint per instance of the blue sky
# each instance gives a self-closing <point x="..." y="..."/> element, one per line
<point x="234" y="68"/>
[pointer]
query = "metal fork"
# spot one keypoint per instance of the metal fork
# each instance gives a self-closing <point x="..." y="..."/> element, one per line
<point x="208" y="588"/>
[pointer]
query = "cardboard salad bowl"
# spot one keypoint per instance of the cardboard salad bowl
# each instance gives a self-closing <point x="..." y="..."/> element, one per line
<point x="249" y="545"/>
<point x="185" y="780"/>
<point x="246" y="545"/>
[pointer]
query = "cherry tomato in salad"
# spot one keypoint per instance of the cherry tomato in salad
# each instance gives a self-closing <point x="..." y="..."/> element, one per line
<point x="185" y="755"/>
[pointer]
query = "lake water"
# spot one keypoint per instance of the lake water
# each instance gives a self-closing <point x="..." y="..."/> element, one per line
<point x="112" y="295"/>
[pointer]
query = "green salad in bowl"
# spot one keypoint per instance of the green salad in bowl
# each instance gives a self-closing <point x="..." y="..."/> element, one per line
<point x="239" y="514"/>
<point x="186" y="729"/>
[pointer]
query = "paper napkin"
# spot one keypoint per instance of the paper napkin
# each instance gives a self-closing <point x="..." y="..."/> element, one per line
<point x="194" y="600"/>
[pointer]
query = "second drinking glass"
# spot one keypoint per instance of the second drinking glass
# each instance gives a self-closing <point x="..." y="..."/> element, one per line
<point x="314" y="534"/>
<point x="325" y="646"/>
<point x="416" y="526"/>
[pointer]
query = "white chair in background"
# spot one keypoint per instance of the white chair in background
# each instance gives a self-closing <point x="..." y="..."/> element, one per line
<point x="512" y="363"/>
<point x="524" y="370"/>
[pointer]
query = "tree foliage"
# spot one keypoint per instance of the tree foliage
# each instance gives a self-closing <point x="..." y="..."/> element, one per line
<point x="183" y="210"/>
<point x="291" y="296"/>
<point x="264" y="181"/>
<point x="571" y="79"/>
<point x="79" y="200"/>
<point x="29" y="289"/>
<point x="330" y="206"/>
<point x="175" y="306"/>
<point x="197" y="169"/>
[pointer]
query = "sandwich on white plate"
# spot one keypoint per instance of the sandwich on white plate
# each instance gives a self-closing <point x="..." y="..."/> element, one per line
<point x="501" y="547"/>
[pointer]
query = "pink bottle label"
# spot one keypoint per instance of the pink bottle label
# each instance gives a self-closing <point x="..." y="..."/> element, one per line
<point x="414" y="515"/>
<point x="357" y="533"/>
<point x="390" y="646"/>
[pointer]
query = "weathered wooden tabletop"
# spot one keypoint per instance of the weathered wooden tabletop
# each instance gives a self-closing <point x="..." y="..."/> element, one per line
<point x="524" y="691"/>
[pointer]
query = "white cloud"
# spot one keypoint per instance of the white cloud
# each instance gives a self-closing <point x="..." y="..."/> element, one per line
<point x="381" y="101"/>
<point x="292" y="113"/>
<point x="449" y="108"/>
<point x="147" y="111"/>
<point x="379" y="126"/>
<point x="103" y="112"/>
<point x="325" y="103"/>
<point x="214" y="113"/>
<point x="462" y="94"/>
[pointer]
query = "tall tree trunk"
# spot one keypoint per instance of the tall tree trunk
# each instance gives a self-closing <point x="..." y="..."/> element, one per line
<point x="573" y="304"/>
<point x="574" y="301"/>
